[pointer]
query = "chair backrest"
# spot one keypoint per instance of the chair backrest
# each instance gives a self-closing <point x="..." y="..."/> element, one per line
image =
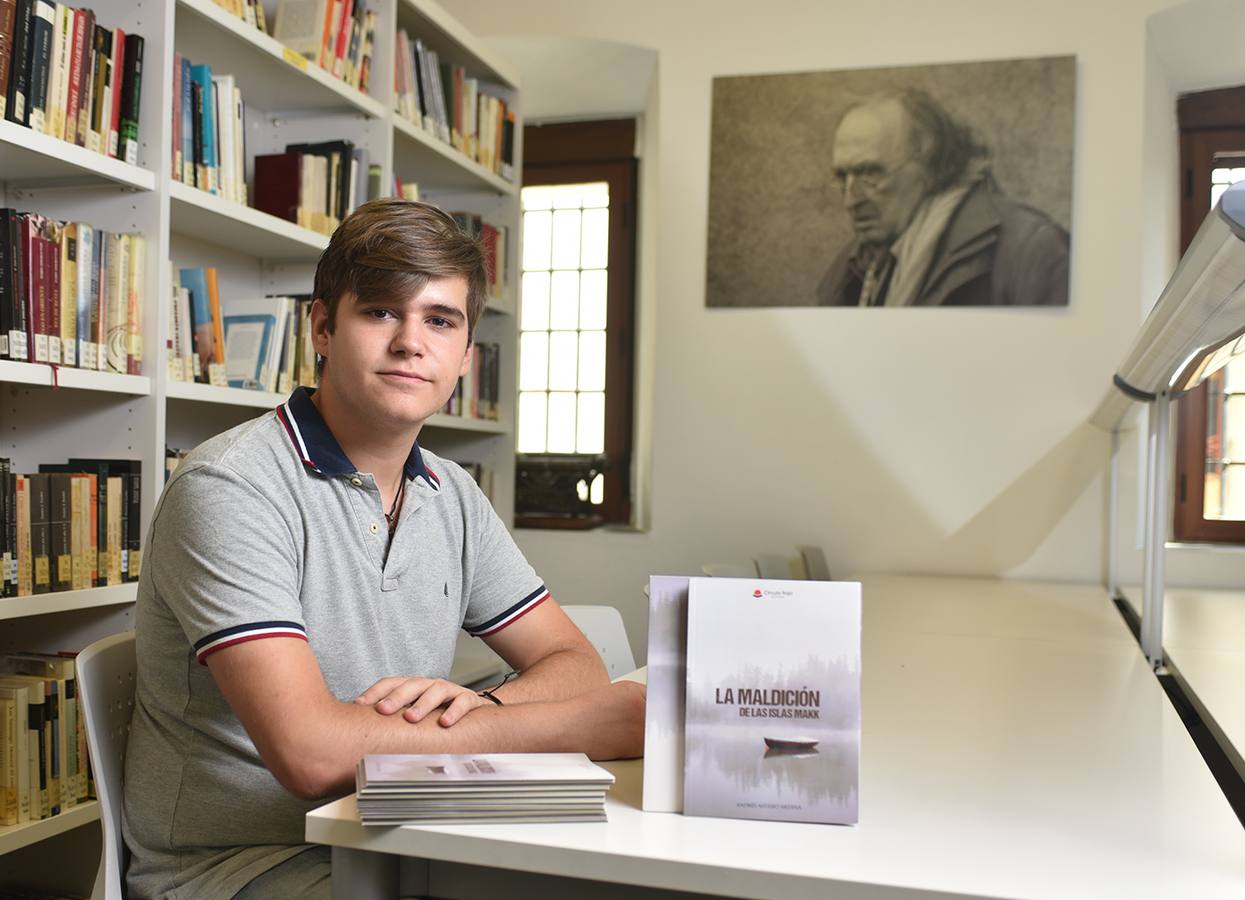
<point x="730" y="570"/>
<point x="603" y="626"/>
<point x="772" y="565"/>
<point x="815" y="563"/>
<point x="105" y="674"/>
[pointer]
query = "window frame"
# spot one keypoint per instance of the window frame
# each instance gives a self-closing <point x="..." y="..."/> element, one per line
<point x="1211" y="122"/>
<point x="573" y="153"/>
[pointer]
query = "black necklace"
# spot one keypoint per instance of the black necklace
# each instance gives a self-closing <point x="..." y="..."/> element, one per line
<point x="391" y="517"/>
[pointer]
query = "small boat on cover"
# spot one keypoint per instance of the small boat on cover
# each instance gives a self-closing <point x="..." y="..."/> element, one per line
<point x="790" y="743"/>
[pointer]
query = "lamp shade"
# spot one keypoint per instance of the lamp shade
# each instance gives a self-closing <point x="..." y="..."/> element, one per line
<point x="1198" y="323"/>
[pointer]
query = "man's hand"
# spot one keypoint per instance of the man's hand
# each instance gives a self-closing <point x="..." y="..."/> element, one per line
<point x="417" y="697"/>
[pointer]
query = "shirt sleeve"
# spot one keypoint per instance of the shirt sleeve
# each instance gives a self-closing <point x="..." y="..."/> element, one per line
<point x="224" y="561"/>
<point x="500" y="585"/>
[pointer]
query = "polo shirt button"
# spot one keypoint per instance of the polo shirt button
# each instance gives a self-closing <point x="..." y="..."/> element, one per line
<point x="374" y="527"/>
<point x="356" y="481"/>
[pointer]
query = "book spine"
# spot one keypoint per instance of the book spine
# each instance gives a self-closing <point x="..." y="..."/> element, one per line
<point x="187" y="132"/>
<point x="18" y="85"/>
<point x="58" y="70"/>
<point x="134" y="318"/>
<point x="6" y="545"/>
<point x="52" y="298"/>
<point x="118" y="81"/>
<point x="25" y="567"/>
<point x="8" y="25"/>
<point x="133" y="547"/>
<point x="82" y="299"/>
<point x="42" y="26"/>
<point x="177" y="117"/>
<point x="8" y="273"/>
<point x="118" y="306"/>
<point x="69" y="294"/>
<point x="8" y="759"/>
<point x="86" y="59"/>
<point x="131" y="99"/>
<point x="73" y="93"/>
<point x="116" y="536"/>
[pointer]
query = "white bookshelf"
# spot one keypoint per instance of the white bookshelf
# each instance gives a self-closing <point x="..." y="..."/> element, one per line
<point x="48" y="416"/>
<point x="15" y="837"/>
<point x="240" y="228"/>
<point x="72" y="379"/>
<point x="66" y="601"/>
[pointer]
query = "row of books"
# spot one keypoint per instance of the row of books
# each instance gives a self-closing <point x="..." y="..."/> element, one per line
<point x="336" y="35"/>
<point x="44" y="767"/>
<point x="209" y="144"/>
<point x="70" y="526"/>
<point x="261" y="344"/>
<point x="70" y="294"/>
<point x="478" y="393"/>
<point x="441" y="99"/>
<point x="314" y="186"/>
<point x="65" y="75"/>
<point x="495" y="240"/>
<point x="249" y="11"/>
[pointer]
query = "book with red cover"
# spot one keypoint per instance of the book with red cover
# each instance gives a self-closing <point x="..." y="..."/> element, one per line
<point x="52" y="294"/>
<point x="277" y="184"/>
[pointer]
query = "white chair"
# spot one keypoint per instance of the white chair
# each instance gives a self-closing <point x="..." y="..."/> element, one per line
<point x="772" y="565"/>
<point x="815" y="563"/>
<point x="105" y="675"/>
<point x="730" y="570"/>
<point x="603" y="626"/>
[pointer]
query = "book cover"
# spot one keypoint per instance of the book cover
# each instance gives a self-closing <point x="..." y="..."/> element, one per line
<point x="772" y="723"/>
<point x="247" y="338"/>
<point x="278" y="179"/>
<point x="299" y="25"/>
<point x="437" y="770"/>
<point x="667" y="682"/>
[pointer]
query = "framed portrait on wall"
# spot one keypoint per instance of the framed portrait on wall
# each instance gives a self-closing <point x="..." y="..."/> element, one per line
<point x="941" y="185"/>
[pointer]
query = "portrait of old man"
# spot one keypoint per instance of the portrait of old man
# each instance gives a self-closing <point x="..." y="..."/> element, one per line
<point x="905" y="187"/>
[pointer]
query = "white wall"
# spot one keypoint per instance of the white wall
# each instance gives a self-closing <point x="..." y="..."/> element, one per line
<point x="939" y="441"/>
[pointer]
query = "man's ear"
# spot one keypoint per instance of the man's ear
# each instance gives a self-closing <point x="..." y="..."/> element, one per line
<point x="466" y="366"/>
<point x="320" y="326"/>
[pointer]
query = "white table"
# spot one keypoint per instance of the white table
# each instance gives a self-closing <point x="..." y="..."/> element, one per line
<point x="996" y="761"/>
<point x="1204" y="640"/>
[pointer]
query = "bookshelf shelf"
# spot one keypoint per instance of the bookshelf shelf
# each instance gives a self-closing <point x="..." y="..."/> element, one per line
<point x="226" y="396"/>
<point x="68" y="377"/>
<point x="64" y="601"/>
<point x="272" y="77"/>
<point x="31" y="159"/>
<point x="466" y="423"/>
<point x="237" y="227"/>
<point x="433" y="162"/>
<point x="14" y="837"/>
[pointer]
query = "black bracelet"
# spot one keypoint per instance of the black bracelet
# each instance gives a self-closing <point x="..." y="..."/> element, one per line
<point x="488" y="692"/>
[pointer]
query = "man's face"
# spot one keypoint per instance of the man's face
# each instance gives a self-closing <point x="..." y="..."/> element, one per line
<point x="876" y="166"/>
<point x="397" y="361"/>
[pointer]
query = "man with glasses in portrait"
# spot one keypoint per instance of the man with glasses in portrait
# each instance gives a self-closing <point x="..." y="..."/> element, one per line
<point x="931" y="226"/>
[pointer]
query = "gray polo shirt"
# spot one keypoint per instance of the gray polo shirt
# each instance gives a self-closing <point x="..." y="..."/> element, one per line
<point x="267" y="530"/>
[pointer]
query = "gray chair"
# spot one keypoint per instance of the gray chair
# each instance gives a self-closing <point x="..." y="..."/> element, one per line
<point x="105" y="676"/>
<point x="815" y="563"/>
<point x="603" y="627"/>
<point x="730" y="570"/>
<point x="772" y="565"/>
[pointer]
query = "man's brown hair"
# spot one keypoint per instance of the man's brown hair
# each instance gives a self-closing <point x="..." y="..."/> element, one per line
<point x="391" y="248"/>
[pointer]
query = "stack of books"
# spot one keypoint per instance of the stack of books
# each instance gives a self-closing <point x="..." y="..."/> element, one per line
<point x="423" y="789"/>
<point x="249" y="11"/>
<point x="64" y="74"/>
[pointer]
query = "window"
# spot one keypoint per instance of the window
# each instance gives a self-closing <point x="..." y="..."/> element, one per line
<point x="573" y="468"/>
<point x="1210" y="430"/>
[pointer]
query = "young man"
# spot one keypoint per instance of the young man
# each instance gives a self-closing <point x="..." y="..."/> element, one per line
<point x="306" y="575"/>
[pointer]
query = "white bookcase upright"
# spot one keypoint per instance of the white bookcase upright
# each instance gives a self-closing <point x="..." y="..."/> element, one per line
<point x="47" y="416"/>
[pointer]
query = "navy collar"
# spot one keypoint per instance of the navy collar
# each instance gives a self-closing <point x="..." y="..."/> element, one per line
<point x="319" y="450"/>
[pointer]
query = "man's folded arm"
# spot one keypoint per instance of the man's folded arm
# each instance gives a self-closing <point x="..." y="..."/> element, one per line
<point x="311" y="741"/>
<point x="554" y="659"/>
